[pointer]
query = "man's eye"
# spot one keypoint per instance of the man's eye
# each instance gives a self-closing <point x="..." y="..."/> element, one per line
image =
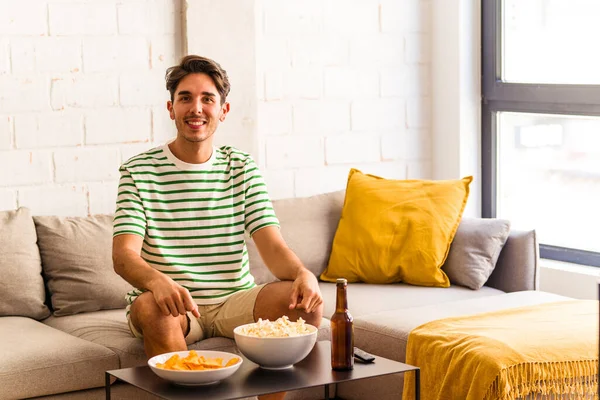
<point x="208" y="99"/>
<point x="184" y="98"/>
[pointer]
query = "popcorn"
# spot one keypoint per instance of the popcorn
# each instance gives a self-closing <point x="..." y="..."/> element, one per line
<point x="283" y="327"/>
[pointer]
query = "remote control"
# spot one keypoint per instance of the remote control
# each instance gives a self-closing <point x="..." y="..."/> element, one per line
<point x="362" y="356"/>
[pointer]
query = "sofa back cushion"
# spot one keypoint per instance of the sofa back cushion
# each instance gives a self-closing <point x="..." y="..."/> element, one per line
<point x="77" y="262"/>
<point x="22" y="286"/>
<point x="308" y="226"/>
<point x="396" y="230"/>
<point x="475" y="251"/>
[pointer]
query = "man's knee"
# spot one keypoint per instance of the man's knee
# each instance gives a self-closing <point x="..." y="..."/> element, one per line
<point x="314" y="318"/>
<point x="145" y="314"/>
<point x="144" y="307"/>
<point x="274" y="294"/>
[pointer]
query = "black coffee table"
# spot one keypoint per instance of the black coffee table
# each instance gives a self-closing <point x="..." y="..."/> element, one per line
<point x="251" y="380"/>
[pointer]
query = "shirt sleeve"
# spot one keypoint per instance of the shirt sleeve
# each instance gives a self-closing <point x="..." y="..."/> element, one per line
<point x="130" y="217"/>
<point x="259" y="211"/>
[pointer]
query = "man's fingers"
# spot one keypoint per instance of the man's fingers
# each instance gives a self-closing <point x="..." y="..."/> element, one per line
<point x="305" y="303"/>
<point x="195" y="311"/>
<point x="294" y="299"/>
<point x="190" y="304"/>
<point x="171" y="308"/>
<point x="310" y="307"/>
<point x="164" y="308"/>
<point x="314" y="303"/>
<point x="178" y="301"/>
<point x="181" y="307"/>
<point x="317" y="303"/>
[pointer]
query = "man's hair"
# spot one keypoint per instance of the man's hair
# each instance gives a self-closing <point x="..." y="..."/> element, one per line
<point x="196" y="64"/>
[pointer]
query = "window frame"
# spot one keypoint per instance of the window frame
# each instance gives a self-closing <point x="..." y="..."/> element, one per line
<point x="498" y="96"/>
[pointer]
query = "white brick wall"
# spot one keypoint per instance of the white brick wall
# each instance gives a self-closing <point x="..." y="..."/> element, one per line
<point x="6" y="128"/>
<point x="102" y="197"/>
<point x="4" y="56"/>
<point x="63" y="200"/>
<point x="118" y="125"/>
<point x="77" y="18"/>
<point x="280" y="183"/>
<point x="86" y="165"/>
<point x="25" y="167"/>
<point x="115" y="53"/>
<point x="294" y="151"/>
<point x="355" y="78"/>
<point x="82" y="90"/>
<point x="8" y="199"/>
<point x="26" y="18"/>
<point x="339" y="84"/>
<point x="49" y="129"/>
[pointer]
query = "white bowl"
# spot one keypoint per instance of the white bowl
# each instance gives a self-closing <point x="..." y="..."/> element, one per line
<point x="193" y="378"/>
<point x="275" y="352"/>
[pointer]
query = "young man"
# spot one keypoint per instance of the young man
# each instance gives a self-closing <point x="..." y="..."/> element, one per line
<point x="182" y="210"/>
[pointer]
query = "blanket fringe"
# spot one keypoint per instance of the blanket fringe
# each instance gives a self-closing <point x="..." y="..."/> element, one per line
<point x="536" y="380"/>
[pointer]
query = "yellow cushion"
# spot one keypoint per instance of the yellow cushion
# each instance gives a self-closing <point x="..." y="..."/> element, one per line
<point x="396" y="230"/>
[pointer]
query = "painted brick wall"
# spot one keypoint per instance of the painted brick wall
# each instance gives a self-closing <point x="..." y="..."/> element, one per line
<point x="342" y="84"/>
<point x="325" y="85"/>
<point x="81" y="90"/>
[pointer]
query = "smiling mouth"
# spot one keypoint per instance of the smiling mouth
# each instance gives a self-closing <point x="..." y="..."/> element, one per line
<point x="195" y="124"/>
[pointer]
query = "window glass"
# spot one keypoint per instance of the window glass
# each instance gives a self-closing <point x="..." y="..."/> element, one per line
<point x="551" y="41"/>
<point x="548" y="174"/>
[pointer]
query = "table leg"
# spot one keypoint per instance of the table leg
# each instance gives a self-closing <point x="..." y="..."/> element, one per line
<point x="326" y="392"/>
<point x="417" y="384"/>
<point x="107" y="385"/>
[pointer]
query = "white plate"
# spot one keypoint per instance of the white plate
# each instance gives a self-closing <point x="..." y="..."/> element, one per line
<point x="193" y="378"/>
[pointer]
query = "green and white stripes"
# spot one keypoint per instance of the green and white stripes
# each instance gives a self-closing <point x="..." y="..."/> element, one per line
<point x="193" y="218"/>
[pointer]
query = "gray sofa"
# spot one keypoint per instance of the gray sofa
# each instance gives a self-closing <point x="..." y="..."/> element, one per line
<point x="62" y="319"/>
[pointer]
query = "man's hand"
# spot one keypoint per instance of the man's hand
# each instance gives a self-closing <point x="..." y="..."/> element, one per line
<point x="173" y="298"/>
<point x="306" y="294"/>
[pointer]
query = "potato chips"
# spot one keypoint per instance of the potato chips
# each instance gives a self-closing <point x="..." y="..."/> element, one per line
<point x="193" y="362"/>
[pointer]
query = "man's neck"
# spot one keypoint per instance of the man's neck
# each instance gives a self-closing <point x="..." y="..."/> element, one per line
<point x="191" y="153"/>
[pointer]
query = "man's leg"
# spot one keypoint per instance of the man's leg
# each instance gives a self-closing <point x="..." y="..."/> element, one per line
<point x="161" y="334"/>
<point x="273" y="302"/>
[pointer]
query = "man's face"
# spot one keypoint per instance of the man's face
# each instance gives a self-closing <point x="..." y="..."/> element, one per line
<point x="196" y="108"/>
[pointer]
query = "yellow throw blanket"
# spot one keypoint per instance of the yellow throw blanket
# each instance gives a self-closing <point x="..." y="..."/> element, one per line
<point x="543" y="349"/>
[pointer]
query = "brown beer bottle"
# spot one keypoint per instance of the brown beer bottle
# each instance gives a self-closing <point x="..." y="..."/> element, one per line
<point x="342" y="331"/>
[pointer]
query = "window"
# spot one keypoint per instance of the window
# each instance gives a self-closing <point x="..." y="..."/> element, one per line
<point x="541" y="122"/>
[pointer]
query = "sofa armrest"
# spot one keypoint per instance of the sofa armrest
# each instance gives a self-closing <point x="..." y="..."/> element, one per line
<point x="517" y="267"/>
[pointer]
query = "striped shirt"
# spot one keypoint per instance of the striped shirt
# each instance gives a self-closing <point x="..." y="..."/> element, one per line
<point x="193" y="218"/>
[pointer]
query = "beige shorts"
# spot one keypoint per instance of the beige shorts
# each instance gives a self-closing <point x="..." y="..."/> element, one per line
<point x="217" y="319"/>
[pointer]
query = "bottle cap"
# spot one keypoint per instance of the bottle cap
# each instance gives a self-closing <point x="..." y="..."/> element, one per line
<point x="341" y="280"/>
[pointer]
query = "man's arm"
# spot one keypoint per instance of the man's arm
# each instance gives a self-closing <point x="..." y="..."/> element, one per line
<point x="285" y="265"/>
<point x="171" y="297"/>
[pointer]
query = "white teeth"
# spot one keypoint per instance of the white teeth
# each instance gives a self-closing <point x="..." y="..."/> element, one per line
<point x="195" y="123"/>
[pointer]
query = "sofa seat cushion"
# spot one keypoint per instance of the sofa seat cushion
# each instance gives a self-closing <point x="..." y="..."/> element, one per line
<point x="37" y="360"/>
<point x="365" y="298"/>
<point x="109" y="328"/>
<point x="386" y="333"/>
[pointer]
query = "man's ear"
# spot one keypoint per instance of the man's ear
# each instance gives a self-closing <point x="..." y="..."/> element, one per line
<point x="224" y="111"/>
<point x="171" y="111"/>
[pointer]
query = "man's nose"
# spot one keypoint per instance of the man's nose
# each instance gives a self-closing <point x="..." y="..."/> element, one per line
<point x="196" y="107"/>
